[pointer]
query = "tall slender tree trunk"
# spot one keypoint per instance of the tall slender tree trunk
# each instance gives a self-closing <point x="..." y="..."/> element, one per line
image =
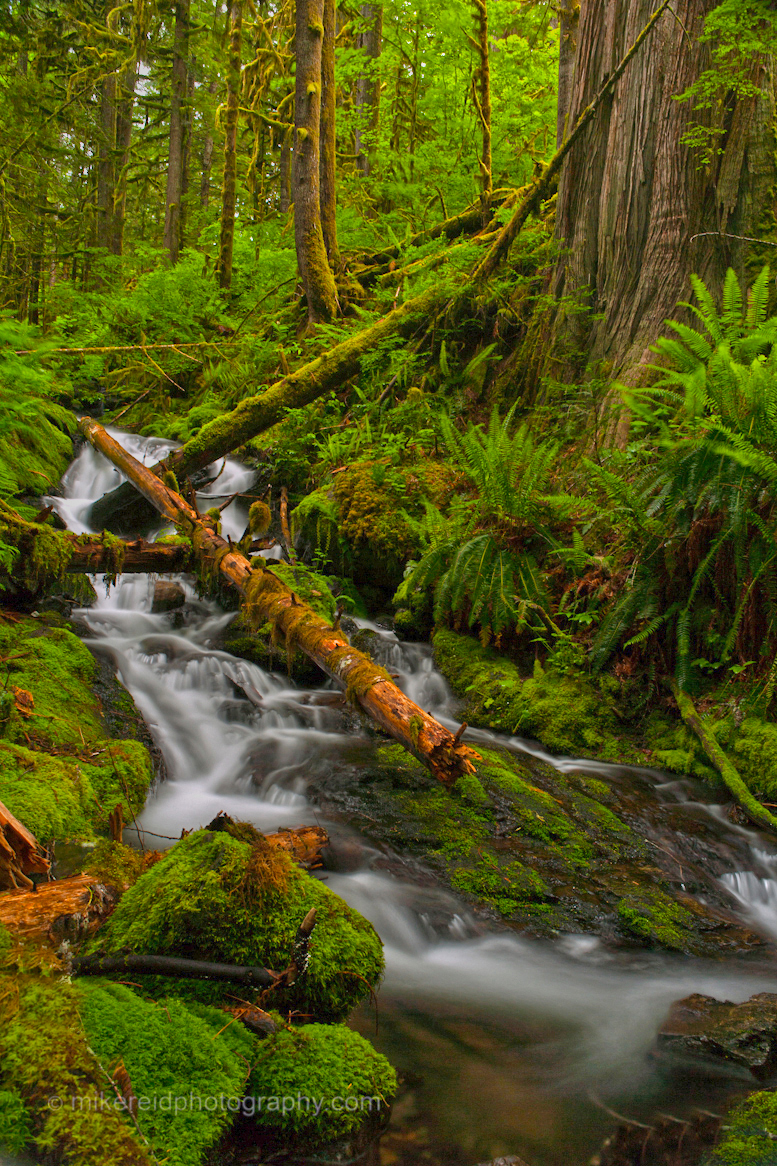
<point x="173" y="193"/>
<point x="367" y="95"/>
<point x="124" y="108"/>
<point x="317" y="278"/>
<point x="284" y="180"/>
<point x="481" y="89"/>
<point x="106" y="166"/>
<point x="636" y="213"/>
<point x="568" y="20"/>
<point x="328" y="158"/>
<point x="229" y="187"/>
<point x="207" y="157"/>
<point x="414" y="88"/>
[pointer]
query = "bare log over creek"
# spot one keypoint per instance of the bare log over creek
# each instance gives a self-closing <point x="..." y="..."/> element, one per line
<point x="268" y="599"/>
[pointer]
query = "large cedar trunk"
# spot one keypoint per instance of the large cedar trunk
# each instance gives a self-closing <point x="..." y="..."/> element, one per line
<point x="633" y="200"/>
<point x="317" y="278"/>
<point x="328" y="159"/>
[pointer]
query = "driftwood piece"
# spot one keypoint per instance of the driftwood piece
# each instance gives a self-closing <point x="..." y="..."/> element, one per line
<point x="66" y="909"/>
<point x="757" y="813"/>
<point x="20" y="854"/>
<point x="271" y="600"/>
<point x="304" y="844"/>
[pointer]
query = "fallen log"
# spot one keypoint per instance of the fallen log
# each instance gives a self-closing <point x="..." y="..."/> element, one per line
<point x="91" y="556"/>
<point x="167" y="965"/>
<point x="269" y="599"/>
<point x="66" y="909"/>
<point x="468" y="222"/>
<point x="20" y="854"/>
<point x="757" y="813"/>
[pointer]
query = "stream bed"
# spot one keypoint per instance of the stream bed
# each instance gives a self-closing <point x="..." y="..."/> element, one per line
<point x="505" y="1044"/>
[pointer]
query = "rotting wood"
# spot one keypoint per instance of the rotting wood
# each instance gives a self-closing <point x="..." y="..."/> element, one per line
<point x="137" y="557"/>
<point x="269" y="599"/>
<point x="66" y="909"/>
<point x="757" y="813"/>
<point x="164" y="965"/>
<point x="20" y="854"/>
<point x="304" y="845"/>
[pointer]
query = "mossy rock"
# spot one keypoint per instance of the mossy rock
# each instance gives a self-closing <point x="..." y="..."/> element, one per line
<point x="46" y="1061"/>
<point x="60" y="771"/>
<point x="568" y="712"/>
<point x="324" y="1068"/>
<point x="650" y="914"/>
<point x="208" y="899"/>
<point x="750" y="1133"/>
<point x="186" y="1064"/>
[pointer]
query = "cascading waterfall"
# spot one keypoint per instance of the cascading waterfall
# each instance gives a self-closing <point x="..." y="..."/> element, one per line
<point x="511" y="1034"/>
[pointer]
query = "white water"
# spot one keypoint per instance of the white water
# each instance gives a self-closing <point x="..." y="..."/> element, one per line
<point x="239" y="739"/>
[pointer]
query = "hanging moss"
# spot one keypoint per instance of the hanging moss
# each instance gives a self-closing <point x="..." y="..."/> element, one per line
<point x="324" y="1067"/>
<point x="200" y="901"/>
<point x="259" y="518"/>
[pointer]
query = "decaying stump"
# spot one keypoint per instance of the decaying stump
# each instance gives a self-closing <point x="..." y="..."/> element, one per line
<point x="20" y="854"/>
<point x="270" y="600"/>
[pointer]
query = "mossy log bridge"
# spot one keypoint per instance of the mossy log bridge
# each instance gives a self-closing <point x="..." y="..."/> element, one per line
<point x="269" y="599"/>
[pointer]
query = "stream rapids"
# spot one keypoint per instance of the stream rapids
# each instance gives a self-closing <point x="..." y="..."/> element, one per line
<point x="506" y="1044"/>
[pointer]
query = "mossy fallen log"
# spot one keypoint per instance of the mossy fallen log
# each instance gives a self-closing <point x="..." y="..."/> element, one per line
<point x="268" y="599"/>
<point x="757" y="813"/>
<point x="162" y="965"/>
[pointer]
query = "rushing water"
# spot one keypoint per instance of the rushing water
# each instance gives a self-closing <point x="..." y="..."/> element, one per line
<point x="509" y="1045"/>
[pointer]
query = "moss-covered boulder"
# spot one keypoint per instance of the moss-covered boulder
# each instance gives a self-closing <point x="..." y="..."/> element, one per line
<point x="320" y="1083"/>
<point x="750" y="1133"/>
<point x="61" y="770"/>
<point x="216" y="897"/>
<point x="185" y="1064"/>
<point x="55" y="1092"/>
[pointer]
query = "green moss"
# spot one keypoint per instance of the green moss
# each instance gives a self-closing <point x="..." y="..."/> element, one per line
<point x="5" y="941"/>
<point x="755" y="756"/>
<point x="195" y="902"/>
<point x="178" y="1062"/>
<point x="46" y="1061"/>
<point x="569" y="713"/>
<point x="15" y="1122"/>
<point x="33" y="457"/>
<point x="332" y="1066"/>
<point x="650" y="914"/>
<point x="118" y="865"/>
<point x="471" y="791"/>
<point x="507" y="886"/>
<point x="309" y="586"/>
<point x="749" y="1134"/>
<point x="60" y="772"/>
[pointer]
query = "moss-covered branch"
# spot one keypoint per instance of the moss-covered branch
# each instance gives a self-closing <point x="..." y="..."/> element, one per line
<point x="752" y="807"/>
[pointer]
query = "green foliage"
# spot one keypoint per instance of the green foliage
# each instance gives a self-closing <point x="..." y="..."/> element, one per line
<point x="200" y="902"/>
<point x="749" y="1133"/>
<point x="482" y="559"/>
<point x="15" y="1126"/>
<point x="183" y="1059"/>
<point x="651" y="914"/>
<point x="333" y="1069"/>
<point x="701" y="520"/>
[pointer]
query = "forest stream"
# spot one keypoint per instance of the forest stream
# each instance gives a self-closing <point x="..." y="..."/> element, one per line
<point x="505" y="1044"/>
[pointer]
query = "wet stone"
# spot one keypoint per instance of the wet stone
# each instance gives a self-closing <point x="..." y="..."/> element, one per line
<point x="167" y="596"/>
<point x="743" y="1034"/>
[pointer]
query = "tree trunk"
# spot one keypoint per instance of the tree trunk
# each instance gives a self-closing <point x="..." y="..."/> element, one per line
<point x="633" y="200"/>
<point x="106" y="172"/>
<point x="172" y="235"/>
<point x="367" y="95"/>
<point x="207" y="157"/>
<point x="284" y="192"/>
<point x="229" y="187"/>
<point x="328" y="158"/>
<point x="269" y="600"/>
<point x="568" y="19"/>
<point x="315" y="272"/>
<point x="124" y="108"/>
<point x="481" y="90"/>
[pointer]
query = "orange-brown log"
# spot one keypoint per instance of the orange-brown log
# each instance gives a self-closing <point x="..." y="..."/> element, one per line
<point x="269" y="599"/>
<point x="20" y="854"/>
<point x="92" y="557"/>
<point x="65" y="909"/>
<point x="304" y="844"/>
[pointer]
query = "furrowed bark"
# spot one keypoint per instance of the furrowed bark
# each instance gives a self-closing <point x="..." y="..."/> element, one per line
<point x="270" y="600"/>
<point x="757" y="813"/>
<point x="256" y="414"/>
<point x="546" y="183"/>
